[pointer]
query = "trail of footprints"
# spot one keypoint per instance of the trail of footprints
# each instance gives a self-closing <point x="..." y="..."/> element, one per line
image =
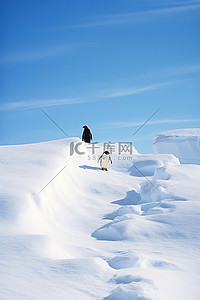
<point x="129" y="285"/>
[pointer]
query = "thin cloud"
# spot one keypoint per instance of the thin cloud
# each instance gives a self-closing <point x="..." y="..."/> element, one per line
<point x="133" y="91"/>
<point x="176" y="70"/>
<point x="36" y="55"/>
<point x="115" y="19"/>
<point x="38" y="103"/>
<point x="31" y="104"/>
<point x="188" y="69"/>
<point x="134" y="124"/>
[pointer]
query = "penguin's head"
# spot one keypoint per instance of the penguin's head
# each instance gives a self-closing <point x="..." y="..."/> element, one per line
<point x="106" y="152"/>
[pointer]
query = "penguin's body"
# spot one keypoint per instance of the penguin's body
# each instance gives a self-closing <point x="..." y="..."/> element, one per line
<point x="86" y="135"/>
<point x="104" y="160"/>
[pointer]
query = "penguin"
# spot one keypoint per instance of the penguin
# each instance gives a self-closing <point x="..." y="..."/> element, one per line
<point x="104" y="160"/>
<point x="86" y="135"/>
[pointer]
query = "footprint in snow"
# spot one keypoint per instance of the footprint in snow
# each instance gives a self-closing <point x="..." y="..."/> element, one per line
<point x="138" y="261"/>
<point x="157" y="208"/>
<point x="132" y="291"/>
<point x="132" y="198"/>
<point x="126" y="279"/>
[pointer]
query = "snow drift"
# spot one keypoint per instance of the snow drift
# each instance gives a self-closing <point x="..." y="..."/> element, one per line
<point x="183" y="143"/>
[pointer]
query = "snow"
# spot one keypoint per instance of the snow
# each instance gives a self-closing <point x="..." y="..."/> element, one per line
<point x="183" y="143"/>
<point x="129" y="233"/>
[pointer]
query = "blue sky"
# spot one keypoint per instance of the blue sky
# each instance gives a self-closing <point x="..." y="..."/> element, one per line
<point x="109" y="64"/>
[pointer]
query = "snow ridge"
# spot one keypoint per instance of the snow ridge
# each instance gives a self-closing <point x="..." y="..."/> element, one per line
<point x="183" y="143"/>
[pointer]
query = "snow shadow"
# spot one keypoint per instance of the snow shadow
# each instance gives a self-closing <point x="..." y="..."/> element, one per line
<point x="126" y="292"/>
<point x="9" y="208"/>
<point x="144" y="168"/>
<point x="127" y="209"/>
<point x="85" y="167"/>
<point x="133" y="260"/>
<point x="132" y="198"/>
<point x="126" y="279"/>
<point x="157" y="208"/>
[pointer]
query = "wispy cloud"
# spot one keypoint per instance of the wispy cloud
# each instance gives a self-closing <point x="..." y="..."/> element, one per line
<point x="38" y="103"/>
<point x="174" y="71"/>
<point x="98" y="96"/>
<point x="115" y="19"/>
<point x="186" y="69"/>
<point x="133" y="91"/>
<point x="40" y="54"/>
<point x="126" y="124"/>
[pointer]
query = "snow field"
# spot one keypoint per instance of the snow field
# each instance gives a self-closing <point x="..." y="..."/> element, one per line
<point x="97" y="235"/>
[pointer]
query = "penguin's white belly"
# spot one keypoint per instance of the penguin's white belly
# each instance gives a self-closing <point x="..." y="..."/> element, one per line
<point x="104" y="161"/>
